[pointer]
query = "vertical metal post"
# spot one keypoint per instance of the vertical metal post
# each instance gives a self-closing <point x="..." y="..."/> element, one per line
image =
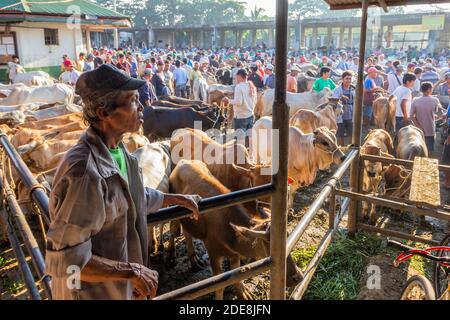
<point x="280" y="113"/>
<point x="20" y="256"/>
<point x="357" y="121"/>
<point x="116" y="31"/>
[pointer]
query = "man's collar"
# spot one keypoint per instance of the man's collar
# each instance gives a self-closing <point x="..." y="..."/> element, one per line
<point x="105" y="163"/>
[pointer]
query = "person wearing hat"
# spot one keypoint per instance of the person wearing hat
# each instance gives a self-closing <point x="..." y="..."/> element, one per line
<point x="147" y="93"/>
<point x="395" y="79"/>
<point x="269" y="82"/>
<point x="429" y="75"/>
<point x="158" y="82"/>
<point x="70" y="75"/>
<point x="324" y="81"/>
<point x="291" y="82"/>
<point x="369" y="88"/>
<point x="255" y="77"/>
<point x="89" y="64"/>
<point x="98" y="204"/>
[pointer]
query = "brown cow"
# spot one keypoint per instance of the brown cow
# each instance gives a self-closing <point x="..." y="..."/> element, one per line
<point x="411" y="143"/>
<point x="323" y="116"/>
<point x="377" y="143"/>
<point x="384" y="113"/>
<point x="216" y="96"/>
<point x="227" y="233"/>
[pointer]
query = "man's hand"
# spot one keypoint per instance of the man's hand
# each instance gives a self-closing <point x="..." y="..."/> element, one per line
<point x="145" y="281"/>
<point x="406" y="120"/>
<point x="184" y="200"/>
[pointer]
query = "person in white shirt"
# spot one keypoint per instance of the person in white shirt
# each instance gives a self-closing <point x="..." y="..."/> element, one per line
<point x="404" y="99"/>
<point x="244" y="101"/>
<point x="70" y="76"/>
<point x="381" y="60"/>
<point x="416" y="92"/>
<point x="395" y="79"/>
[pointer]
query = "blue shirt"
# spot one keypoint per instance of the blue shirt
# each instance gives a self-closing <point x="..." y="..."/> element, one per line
<point x="343" y="65"/>
<point x="133" y="70"/>
<point x="270" y="81"/>
<point x="348" y="104"/>
<point x="368" y="83"/>
<point x="180" y="76"/>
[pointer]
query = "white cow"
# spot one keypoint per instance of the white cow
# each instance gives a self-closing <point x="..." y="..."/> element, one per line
<point x="57" y="93"/>
<point x="154" y="160"/>
<point x="308" y="153"/>
<point x="296" y="101"/>
<point x="34" y="78"/>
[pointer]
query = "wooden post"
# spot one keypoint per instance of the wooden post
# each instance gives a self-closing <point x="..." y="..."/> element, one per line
<point x="350" y="37"/>
<point x="357" y="122"/>
<point x="280" y="111"/>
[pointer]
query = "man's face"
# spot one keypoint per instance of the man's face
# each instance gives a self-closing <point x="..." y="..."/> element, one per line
<point x="166" y="66"/>
<point x="128" y="116"/>
<point x="15" y="60"/>
<point x="160" y="67"/>
<point x="68" y="67"/>
<point x="347" y="81"/>
<point x="267" y="71"/>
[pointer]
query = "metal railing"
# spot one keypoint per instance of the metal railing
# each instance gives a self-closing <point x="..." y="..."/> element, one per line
<point x="14" y="211"/>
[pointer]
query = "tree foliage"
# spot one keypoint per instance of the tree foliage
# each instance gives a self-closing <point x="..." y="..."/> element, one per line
<point x="181" y="12"/>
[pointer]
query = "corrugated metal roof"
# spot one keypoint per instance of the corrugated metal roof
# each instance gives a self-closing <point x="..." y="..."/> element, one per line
<point x="58" y="7"/>
<point x="351" y="4"/>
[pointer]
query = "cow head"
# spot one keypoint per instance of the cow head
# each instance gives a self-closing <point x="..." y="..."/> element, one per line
<point x="337" y="106"/>
<point x="322" y="96"/>
<point x="397" y="180"/>
<point x="259" y="236"/>
<point x="325" y="141"/>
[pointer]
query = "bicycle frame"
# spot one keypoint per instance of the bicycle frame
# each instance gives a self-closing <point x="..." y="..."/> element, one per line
<point x="426" y="253"/>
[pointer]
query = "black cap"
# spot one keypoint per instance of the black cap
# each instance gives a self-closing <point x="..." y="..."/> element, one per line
<point x="107" y="78"/>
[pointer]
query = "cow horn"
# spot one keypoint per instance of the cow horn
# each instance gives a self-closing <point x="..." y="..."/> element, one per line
<point x="251" y="234"/>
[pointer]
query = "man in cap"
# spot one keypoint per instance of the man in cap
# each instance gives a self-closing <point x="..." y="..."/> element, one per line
<point x="70" y="75"/>
<point x="89" y="64"/>
<point x="147" y="92"/>
<point x="255" y="77"/>
<point x="369" y="88"/>
<point x="429" y="75"/>
<point x="291" y="81"/>
<point x="161" y="89"/>
<point x="269" y="82"/>
<point x="99" y="205"/>
<point x="395" y="79"/>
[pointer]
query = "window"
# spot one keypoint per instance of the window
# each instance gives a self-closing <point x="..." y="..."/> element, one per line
<point x="51" y="37"/>
<point x="7" y="47"/>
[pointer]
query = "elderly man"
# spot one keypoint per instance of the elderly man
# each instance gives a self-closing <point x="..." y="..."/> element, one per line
<point x="98" y="204"/>
<point x="291" y="82"/>
<point x="269" y="82"/>
<point x="70" y="75"/>
<point x="429" y="75"/>
<point x="147" y="92"/>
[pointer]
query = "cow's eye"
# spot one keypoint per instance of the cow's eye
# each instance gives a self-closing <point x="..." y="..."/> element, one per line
<point x="326" y="144"/>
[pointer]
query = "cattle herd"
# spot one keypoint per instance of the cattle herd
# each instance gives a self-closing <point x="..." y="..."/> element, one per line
<point x="43" y="122"/>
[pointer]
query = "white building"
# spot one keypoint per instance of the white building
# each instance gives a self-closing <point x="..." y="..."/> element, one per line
<point x="39" y="34"/>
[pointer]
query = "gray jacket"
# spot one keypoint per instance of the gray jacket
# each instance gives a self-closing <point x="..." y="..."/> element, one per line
<point x="93" y="210"/>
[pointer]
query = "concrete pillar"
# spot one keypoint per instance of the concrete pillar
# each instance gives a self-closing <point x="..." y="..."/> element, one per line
<point x="191" y="39"/>
<point x="341" y="37"/>
<point x="173" y="45"/>
<point x="88" y="41"/>
<point x="330" y="37"/>
<point x="222" y="38"/>
<point x="254" y="36"/>
<point x="202" y="39"/>
<point x="350" y="37"/>
<point x="239" y="38"/>
<point x="271" y="38"/>
<point x="314" y="38"/>
<point x="389" y="34"/>
<point x="380" y="36"/>
<point x="302" y="38"/>
<point x="151" y="37"/>
<point x="132" y="39"/>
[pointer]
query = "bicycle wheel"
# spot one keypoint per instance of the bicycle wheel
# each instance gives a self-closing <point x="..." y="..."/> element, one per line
<point x="440" y="278"/>
<point x="418" y="288"/>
